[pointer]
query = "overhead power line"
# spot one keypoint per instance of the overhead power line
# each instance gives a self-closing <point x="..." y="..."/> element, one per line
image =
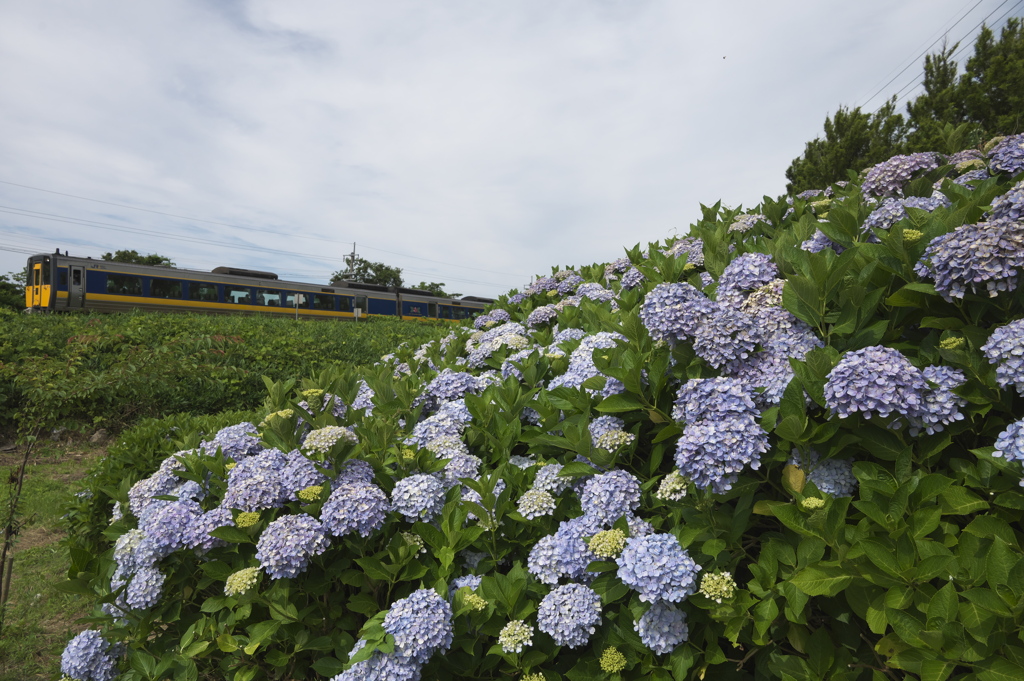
<point x="252" y="229"/>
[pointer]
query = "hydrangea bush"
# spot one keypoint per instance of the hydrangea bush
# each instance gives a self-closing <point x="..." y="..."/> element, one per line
<point x="729" y="456"/>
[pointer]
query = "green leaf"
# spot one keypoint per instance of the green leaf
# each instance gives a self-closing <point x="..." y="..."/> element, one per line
<point x="328" y="666"/>
<point x="821" y="581"/>
<point x="619" y="403"/>
<point x="576" y="469"/>
<point x="231" y="534"/>
<point x="957" y="500"/>
<point x="1000" y="669"/>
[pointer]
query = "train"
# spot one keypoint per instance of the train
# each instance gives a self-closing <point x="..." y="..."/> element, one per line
<point x="60" y="282"/>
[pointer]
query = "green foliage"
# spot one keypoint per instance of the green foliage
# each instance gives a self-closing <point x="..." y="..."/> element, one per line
<point x="12" y="291"/>
<point x="918" y="573"/>
<point x="81" y="371"/>
<point x="367" y="272"/>
<point x="136" y="258"/>
<point x="437" y="289"/>
<point x="986" y="100"/>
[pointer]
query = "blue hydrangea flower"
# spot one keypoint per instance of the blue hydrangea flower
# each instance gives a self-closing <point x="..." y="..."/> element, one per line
<point x="472" y="581"/>
<point x="633" y="278"/>
<point x="354" y="470"/>
<point x="144" y="588"/>
<point x="940" y="406"/>
<point x="509" y="335"/>
<point x="876" y="381"/>
<point x="1008" y="156"/>
<point x="235" y="442"/>
<point x="701" y="398"/>
<point x="971" y="177"/>
<point x="447" y="386"/>
<point x="1010" y="443"/>
<point x="746" y="222"/>
<point x="674" y="312"/>
<point x="691" y="247"/>
<point x="564" y="553"/>
<point x="168" y="526"/>
<point x="568" y="281"/>
<point x="745" y="273"/>
<point x="1009" y="206"/>
<point x="832" y="476"/>
<point x="459" y="467"/>
<point x="725" y="337"/>
<point x="657" y="568"/>
<point x="421" y="624"/>
<point x="581" y="363"/>
<point x="285" y="547"/>
<point x="536" y="503"/>
<point x="364" y="398"/>
<point x="570" y="614"/>
<point x="542" y="315"/>
<point x="132" y="552"/>
<point x="418" y="497"/>
<point x="199" y="532"/>
<point x="713" y="451"/>
<point x="1005" y="349"/>
<point x="609" y="496"/>
<point x="299" y="473"/>
<point x="547" y="479"/>
<point x="164" y="481"/>
<point x="819" y="242"/>
<point x="380" y="667"/>
<point x="662" y="627"/>
<point x="889" y="177"/>
<point x="616" y="267"/>
<point x="595" y="291"/>
<point x="355" y="507"/>
<point x="516" y="298"/>
<point x="809" y="194"/>
<point x="989" y="253"/>
<point x="89" y="657"/>
<point x="256" y="483"/>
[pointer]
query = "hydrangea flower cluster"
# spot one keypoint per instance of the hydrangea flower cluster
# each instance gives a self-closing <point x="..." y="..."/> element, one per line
<point x="285" y="547"/>
<point x="421" y="624"/>
<point x="355" y="507"/>
<point x="612" y="661"/>
<point x="542" y="315"/>
<point x="690" y="246"/>
<point x="322" y="439"/>
<point x="235" y="442"/>
<point x="610" y="496"/>
<point x="509" y="335"/>
<point x="515" y="636"/>
<point x="242" y="581"/>
<point x="418" y="497"/>
<point x="608" y="543"/>
<point x="674" y="312"/>
<point x="1008" y="156"/>
<point x="745" y="273"/>
<point x="89" y="657"/>
<point x="448" y="386"/>
<point x="1005" y="349"/>
<point x="495" y="316"/>
<point x="892" y="210"/>
<point x="595" y="291"/>
<point x="581" y="363"/>
<point x="380" y="667"/>
<point x="662" y="627"/>
<point x="564" y="553"/>
<point x="889" y="177"/>
<point x="747" y="221"/>
<point x="718" y="586"/>
<point x="607" y="432"/>
<point x="632" y="278"/>
<point x="875" y="381"/>
<point x="819" y="242"/>
<point x="673" y="487"/>
<point x="657" y="568"/>
<point x="1009" y="206"/>
<point x="832" y="476"/>
<point x="536" y="503"/>
<point x="989" y="253"/>
<point x="570" y="614"/>
<point x="1010" y="443"/>
<point x="726" y="337"/>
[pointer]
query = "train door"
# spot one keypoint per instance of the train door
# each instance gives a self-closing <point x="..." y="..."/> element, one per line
<point x="76" y="287"/>
<point x="35" y="284"/>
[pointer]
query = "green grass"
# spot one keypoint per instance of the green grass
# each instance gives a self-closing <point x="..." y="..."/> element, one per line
<point x="39" y="619"/>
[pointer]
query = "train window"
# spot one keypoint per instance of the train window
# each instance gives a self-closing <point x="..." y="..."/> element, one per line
<point x="268" y="298"/>
<point x="62" y="278"/>
<point x="361" y="303"/>
<point x="124" y="285"/>
<point x="322" y="302"/>
<point x="203" y="292"/>
<point x="289" y="299"/>
<point x="235" y="294"/>
<point x="346" y="304"/>
<point x="165" y="288"/>
<point x="36" y="278"/>
<point x="46" y="274"/>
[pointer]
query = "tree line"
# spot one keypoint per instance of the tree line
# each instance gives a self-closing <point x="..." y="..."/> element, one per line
<point x="955" y="111"/>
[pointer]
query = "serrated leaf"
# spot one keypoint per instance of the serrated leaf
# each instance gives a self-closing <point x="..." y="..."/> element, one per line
<point x="821" y="581"/>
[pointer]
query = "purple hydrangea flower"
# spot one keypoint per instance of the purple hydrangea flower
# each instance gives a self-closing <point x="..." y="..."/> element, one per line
<point x="1010" y="443"/>
<point x="570" y="614"/>
<point x="544" y="314"/>
<point x="1005" y="349"/>
<point x="564" y="553"/>
<point x="547" y="479"/>
<point x="609" y="496"/>
<point x="832" y="476"/>
<point x="674" y="312"/>
<point x="256" y="483"/>
<point x="595" y="291"/>
<point x="725" y="337"/>
<point x="616" y="267"/>
<point x="581" y="363"/>
<point x="168" y="526"/>
<point x="1009" y="206"/>
<point x="988" y="252"/>
<point x="746" y="222"/>
<point x="809" y="194"/>
<point x="713" y="451"/>
<point x="892" y="210"/>
<point x="972" y="176"/>
<point x="632" y="278"/>
<point x="355" y="507"/>
<point x="235" y="442"/>
<point x="1008" y="155"/>
<point x="876" y="381"/>
<point x="299" y="473"/>
<point x="819" y="242"/>
<point x="662" y="627"/>
<point x="691" y="247"/>
<point x="701" y="398"/>
<point x="89" y="657"/>
<point x="940" y="406"/>
<point x="199" y="533"/>
<point x="418" y="497"/>
<point x="447" y="386"/>
<point x="421" y="624"/>
<point x="144" y="588"/>
<point x="285" y="547"/>
<point x="658" y="568"/>
<point x="889" y="177"/>
<point x="460" y="466"/>
<point x="354" y="470"/>
<point x="567" y="281"/>
<point x="472" y="581"/>
<point x="745" y="273"/>
<point x="380" y="667"/>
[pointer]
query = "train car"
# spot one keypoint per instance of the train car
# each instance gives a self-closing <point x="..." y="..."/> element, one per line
<point x="59" y="283"/>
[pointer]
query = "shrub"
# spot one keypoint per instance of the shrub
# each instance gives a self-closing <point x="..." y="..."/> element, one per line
<point x="770" y="461"/>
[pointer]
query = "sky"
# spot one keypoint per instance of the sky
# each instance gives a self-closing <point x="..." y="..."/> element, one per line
<point x="475" y="143"/>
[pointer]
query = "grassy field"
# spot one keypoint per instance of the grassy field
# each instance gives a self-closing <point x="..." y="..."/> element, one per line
<point x="38" y="618"/>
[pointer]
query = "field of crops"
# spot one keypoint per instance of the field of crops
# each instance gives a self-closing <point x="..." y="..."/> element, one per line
<point x="786" y="446"/>
<point x="91" y="371"/>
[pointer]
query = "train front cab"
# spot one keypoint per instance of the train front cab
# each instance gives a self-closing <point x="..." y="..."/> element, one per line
<point x="38" y="285"/>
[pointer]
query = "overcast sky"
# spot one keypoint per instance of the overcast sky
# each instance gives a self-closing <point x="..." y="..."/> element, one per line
<point x="469" y="142"/>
